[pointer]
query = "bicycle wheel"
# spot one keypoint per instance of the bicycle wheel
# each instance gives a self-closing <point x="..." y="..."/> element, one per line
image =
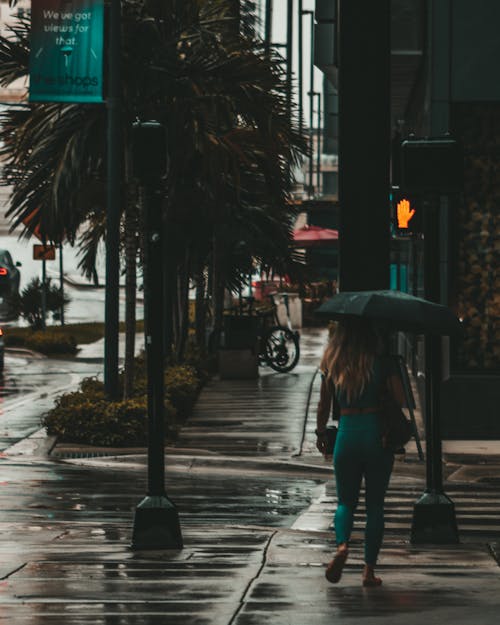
<point x="282" y="349"/>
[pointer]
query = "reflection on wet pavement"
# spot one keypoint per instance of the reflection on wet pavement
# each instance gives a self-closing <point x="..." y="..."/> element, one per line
<point x="73" y="524"/>
<point x="255" y="543"/>
<point x="28" y="388"/>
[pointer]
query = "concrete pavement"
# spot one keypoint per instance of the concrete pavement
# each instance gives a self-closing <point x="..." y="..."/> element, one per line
<point x="255" y="502"/>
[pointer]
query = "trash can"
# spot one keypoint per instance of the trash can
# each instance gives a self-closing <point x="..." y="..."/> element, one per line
<point x="239" y="353"/>
<point x="240" y="332"/>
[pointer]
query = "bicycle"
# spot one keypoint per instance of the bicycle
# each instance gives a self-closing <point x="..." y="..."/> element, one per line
<point x="278" y="345"/>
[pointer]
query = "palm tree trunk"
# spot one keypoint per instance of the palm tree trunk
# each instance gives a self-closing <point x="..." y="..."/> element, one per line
<point x="200" y="309"/>
<point x="183" y="281"/>
<point x="217" y="295"/>
<point x="168" y="290"/>
<point x="130" y="294"/>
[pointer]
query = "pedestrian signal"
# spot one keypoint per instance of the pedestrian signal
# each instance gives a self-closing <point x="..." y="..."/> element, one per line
<point x="406" y="213"/>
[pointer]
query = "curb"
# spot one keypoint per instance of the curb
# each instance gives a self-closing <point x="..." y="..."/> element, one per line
<point x="23" y="351"/>
<point x="180" y="462"/>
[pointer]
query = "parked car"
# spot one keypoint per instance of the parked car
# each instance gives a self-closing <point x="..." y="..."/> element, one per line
<point x="9" y="282"/>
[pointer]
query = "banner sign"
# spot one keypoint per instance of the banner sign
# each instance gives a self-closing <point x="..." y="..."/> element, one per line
<point x="67" y="45"/>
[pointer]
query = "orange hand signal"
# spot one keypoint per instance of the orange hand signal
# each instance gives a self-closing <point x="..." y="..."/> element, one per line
<point x="404" y="213"/>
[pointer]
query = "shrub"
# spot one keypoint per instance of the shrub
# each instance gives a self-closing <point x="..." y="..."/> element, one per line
<point x="51" y="342"/>
<point x="76" y="419"/>
<point x="86" y="416"/>
<point x="182" y="384"/>
<point x="29" y="303"/>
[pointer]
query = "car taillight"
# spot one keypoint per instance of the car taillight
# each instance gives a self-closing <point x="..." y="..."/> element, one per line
<point x="3" y="271"/>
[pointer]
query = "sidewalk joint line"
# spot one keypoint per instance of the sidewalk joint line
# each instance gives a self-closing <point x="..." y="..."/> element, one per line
<point x="255" y="577"/>
<point x="19" y="568"/>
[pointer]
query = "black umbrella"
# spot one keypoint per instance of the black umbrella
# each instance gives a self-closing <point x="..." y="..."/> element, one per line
<point x="400" y="310"/>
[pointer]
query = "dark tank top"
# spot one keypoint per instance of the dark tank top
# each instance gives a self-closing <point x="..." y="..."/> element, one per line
<point x="383" y="367"/>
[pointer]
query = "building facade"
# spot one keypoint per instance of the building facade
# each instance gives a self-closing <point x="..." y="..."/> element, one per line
<point x="444" y="57"/>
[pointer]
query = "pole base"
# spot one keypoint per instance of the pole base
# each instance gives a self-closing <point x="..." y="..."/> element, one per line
<point x="156" y="525"/>
<point x="434" y="521"/>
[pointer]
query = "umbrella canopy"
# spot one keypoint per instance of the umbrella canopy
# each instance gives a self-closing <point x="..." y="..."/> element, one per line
<point x="400" y="310"/>
<point x="312" y="236"/>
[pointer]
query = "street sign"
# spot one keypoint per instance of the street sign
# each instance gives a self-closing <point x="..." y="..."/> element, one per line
<point x="433" y="165"/>
<point x="66" y="52"/>
<point x="44" y="252"/>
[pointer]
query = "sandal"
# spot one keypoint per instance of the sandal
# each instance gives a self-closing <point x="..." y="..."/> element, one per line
<point x="333" y="571"/>
<point x="369" y="579"/>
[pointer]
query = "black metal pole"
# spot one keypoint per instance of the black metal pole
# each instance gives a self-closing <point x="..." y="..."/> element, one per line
<point x="318" y="145"/>
<point x="154" y="343"/>
<point x="301" y="62"/>
<point x="289" y="56"/>
<point x="434" y="519"/>
<point x="431" y="291"/>
<point x="61" y="281"/>
<point x="268" y="26"/>
<point x="44" y="292"/>
<point x="156" y="523"/>
<point x="114" y="203"/>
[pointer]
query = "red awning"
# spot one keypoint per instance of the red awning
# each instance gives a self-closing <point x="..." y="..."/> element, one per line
<point x="309" y="236"/>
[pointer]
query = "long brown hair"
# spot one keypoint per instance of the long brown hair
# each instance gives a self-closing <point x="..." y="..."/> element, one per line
<point x="349" y="356"/>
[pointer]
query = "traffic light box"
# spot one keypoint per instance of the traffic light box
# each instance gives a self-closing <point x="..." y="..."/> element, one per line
<point x="406" y="213"/>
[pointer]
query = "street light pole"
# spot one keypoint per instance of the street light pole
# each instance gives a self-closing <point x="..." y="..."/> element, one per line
<point x="156" y="523"/>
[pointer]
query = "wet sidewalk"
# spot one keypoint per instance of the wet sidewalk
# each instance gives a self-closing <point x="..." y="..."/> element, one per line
<point x="255" y="503"/>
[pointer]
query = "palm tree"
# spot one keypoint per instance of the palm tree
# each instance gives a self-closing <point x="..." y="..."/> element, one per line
<point x="196" y="67"/>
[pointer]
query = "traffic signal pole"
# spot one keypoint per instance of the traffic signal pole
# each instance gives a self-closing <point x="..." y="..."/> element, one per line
<point x="434" y="519"/>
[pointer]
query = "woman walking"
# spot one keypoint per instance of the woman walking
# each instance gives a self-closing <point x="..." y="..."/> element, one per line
<point x="355" y="374"/>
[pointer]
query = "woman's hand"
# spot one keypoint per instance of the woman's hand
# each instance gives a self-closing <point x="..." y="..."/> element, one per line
<point x="321" y="441"/>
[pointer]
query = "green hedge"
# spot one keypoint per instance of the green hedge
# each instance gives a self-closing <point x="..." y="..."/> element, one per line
<point x="48" y="342"/>
<point x="86" y="416"/>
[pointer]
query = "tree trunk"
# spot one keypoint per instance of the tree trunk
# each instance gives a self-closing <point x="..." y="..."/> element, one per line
<point x="217" y="296"/>
<point x="130" y="293"/>
<point x="200" y="309"/>
<point x="168" y="289"/>
<point x="183" y="301"/>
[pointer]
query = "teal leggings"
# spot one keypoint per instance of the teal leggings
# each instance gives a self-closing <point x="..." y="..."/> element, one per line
<point x="359" y="453"/>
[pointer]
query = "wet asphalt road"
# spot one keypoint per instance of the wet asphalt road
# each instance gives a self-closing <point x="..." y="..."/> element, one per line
<point x="27" y="390"/>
